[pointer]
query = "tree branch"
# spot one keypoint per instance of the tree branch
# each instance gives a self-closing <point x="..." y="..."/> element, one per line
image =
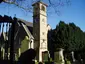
<point x="14" y="3"/>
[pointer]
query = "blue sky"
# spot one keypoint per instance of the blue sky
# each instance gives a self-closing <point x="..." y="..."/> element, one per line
<point x="70" y="13"/>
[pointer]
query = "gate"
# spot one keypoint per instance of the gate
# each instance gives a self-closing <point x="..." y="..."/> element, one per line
<point x="7" y="28"/>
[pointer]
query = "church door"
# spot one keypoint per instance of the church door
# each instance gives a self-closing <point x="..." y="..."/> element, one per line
<point x="45" y="56"/>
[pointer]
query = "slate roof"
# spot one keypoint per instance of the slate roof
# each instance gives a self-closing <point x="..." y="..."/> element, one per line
<point x="28" y="24"/>
<point x="22" y="29"/>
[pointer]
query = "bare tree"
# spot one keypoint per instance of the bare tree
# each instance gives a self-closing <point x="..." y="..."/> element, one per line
<point x="26" y="4"/>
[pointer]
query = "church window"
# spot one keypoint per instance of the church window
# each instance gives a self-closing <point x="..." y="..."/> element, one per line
<point x="43" y="40"/>
<point x="43" y="33"/>
<point x="43" y="8"/>
<point x="35" y="9"/>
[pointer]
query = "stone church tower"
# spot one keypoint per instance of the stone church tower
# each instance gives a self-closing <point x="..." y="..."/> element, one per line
<point x="40" y="29"/>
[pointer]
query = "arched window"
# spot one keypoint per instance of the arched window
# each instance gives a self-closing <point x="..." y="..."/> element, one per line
<point x="43" y="33"/>
<point x="35" y="9"/>
<point x="43" y="8"/>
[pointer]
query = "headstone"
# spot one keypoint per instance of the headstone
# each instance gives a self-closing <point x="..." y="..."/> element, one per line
<point x="58" y="56"/>
<point x="73" y="56"/>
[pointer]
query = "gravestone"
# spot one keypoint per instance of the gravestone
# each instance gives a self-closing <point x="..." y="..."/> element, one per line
<point x="58" y="56"/>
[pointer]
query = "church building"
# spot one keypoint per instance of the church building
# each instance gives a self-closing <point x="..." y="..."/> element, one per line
<point x="36" y="32"/>
<point x="32" y="35"/>
<point x="40" y="29"/>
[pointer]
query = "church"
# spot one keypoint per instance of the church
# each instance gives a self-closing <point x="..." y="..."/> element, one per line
<point x="35" y="33"/>
<point x="29" y="35"/>
<point x="40" y="28"/>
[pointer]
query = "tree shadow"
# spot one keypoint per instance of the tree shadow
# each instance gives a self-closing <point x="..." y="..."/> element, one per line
<point x="27" y="57"/>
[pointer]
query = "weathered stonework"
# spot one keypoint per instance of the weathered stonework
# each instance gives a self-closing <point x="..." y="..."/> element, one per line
<point x="40" y="29"/>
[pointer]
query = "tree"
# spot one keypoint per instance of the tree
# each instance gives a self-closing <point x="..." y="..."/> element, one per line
<point x="68" y="36"/>
<point x="26" y="4"/>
